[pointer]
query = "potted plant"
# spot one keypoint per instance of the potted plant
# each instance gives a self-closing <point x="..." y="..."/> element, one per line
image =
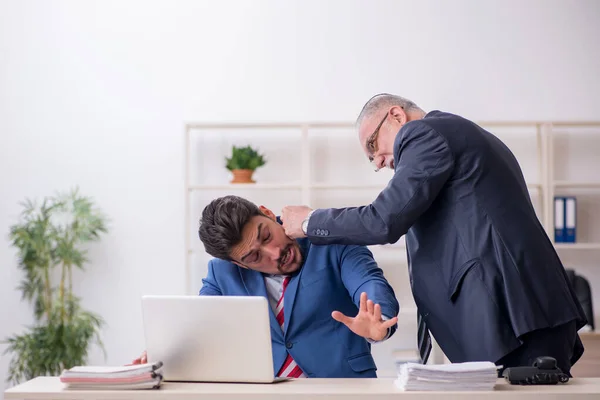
<point x="243" y="162"/>
<point x="48" y="238"/>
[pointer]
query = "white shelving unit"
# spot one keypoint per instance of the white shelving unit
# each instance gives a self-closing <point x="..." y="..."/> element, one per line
<point x="577" y="246"/>
<point x="571" y="131"/>
<point x="297" y="174"/>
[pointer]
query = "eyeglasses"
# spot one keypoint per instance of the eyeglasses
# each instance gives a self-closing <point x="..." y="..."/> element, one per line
<point x="371" y="143"/>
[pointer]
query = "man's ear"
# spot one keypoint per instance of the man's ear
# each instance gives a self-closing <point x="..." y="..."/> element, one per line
<point x="399" y="114"/>
<point x="239" y="265"/>
<point x="268" y="213"/>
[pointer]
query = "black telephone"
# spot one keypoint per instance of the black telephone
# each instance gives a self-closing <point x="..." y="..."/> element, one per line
<point x="543" y="372"/>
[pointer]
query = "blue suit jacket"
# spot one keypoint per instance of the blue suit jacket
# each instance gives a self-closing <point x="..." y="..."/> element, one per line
<point x="331" y="278"/>
<point x="483" y="271"/>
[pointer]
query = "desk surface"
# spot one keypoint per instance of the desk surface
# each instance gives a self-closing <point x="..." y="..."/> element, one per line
<point x="52" y="388"/>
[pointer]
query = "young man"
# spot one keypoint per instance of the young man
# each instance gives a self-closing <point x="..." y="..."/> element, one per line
<point x="328" y="303"/>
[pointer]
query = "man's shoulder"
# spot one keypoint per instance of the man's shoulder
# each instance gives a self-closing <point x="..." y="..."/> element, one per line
<point x="437" y="114"/>
<point x="310" y="249"/>
<point x="222" y="266"/>
<point x="433" y="119"/>
<point x="326" y="250"/>
<point x="435" y="124"/>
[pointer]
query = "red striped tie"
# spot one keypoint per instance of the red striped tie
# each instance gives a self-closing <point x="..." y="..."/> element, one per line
<point x="289" y="369"/>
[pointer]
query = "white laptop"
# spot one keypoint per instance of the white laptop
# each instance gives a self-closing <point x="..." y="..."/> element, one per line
<point x="209" y="338"/>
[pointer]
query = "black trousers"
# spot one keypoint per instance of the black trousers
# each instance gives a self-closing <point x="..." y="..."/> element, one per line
<point x="561" y="342"/>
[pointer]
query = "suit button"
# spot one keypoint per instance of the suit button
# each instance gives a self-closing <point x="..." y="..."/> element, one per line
<point x="289" y="345"/>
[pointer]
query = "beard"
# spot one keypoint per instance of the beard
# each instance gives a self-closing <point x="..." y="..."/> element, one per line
<point x="289" y="263"/>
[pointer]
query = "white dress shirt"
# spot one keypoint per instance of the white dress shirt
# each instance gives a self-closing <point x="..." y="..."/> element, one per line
<point x="274" y="284"/>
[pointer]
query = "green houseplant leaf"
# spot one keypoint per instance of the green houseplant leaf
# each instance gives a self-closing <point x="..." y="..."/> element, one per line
<point x="49" y="238"/>
<point x="244" y="158"/>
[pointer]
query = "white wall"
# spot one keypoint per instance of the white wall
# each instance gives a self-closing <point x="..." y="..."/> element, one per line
<point x="96" y="94"/>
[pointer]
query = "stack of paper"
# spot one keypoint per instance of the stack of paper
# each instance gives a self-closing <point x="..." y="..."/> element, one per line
<point x="458" y="376"/>
<point x="140" y="376"/>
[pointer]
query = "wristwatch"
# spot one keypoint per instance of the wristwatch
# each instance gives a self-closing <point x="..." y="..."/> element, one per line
<point x="305" y="222"/>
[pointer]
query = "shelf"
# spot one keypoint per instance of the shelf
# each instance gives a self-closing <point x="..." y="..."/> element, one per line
<point x="270" y="125"/>
<point x="577" y="185"/>
<point x="246" y="186"/>
<point x="376" y="248"/>
<point x="577" y="246"/>
<point x="298" y="186"/>
<point x="379" y="186"/>
<point x="342" y="186"/>
<point x="282" y="186"/>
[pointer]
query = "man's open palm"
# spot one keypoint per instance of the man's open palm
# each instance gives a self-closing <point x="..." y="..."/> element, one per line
<point x="367" y="323"/>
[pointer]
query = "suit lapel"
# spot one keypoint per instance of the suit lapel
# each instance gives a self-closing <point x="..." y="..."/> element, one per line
<point x="255" y="286"/>
<point x="290" y="293"/>
<point x="289" y="299"/>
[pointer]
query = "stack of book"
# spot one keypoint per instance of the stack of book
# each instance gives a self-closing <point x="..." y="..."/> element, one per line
<point x="140" y="376"/>
<point x="467" y="376"/>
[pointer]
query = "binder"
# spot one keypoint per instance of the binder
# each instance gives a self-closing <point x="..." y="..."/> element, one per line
<point x="559" y="219"/>
<point x="570" y="219"/>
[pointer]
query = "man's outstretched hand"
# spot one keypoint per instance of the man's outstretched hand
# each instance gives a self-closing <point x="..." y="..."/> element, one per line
<point x="368" y="322"/>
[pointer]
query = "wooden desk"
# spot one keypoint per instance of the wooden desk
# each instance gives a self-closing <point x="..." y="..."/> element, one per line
<point x="303" y="389"/>
<point x="589" y="364"/>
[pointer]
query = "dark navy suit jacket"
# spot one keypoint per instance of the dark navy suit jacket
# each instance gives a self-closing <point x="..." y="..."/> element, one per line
<point x="331" y="278"/>
<point x="483" y="271"/>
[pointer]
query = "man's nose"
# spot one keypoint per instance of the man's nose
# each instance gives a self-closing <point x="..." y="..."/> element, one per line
<point x="272" y="252"/>
<point x="379" y="162"/>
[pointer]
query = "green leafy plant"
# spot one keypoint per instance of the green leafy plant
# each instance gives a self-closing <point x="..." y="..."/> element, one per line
<point x="244" y="158"/>
<point x="49" y="237"/>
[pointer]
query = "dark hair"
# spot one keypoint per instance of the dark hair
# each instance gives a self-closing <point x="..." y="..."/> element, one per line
<point x="222" y="222"/>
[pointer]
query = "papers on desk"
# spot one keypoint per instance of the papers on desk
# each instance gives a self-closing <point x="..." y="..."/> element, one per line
<point x="444" y="377"/>
<point x="141" y="376"/>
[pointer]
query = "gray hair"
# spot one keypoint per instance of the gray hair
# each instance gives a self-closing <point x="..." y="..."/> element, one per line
<point x="385" y="100"/>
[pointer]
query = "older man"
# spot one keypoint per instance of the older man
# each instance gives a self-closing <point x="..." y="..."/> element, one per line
<point x="485" y="277"/>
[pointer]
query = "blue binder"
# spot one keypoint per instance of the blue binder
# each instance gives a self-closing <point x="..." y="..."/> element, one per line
<point x="559" y="219"/>
<point x="570" y="219"/>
